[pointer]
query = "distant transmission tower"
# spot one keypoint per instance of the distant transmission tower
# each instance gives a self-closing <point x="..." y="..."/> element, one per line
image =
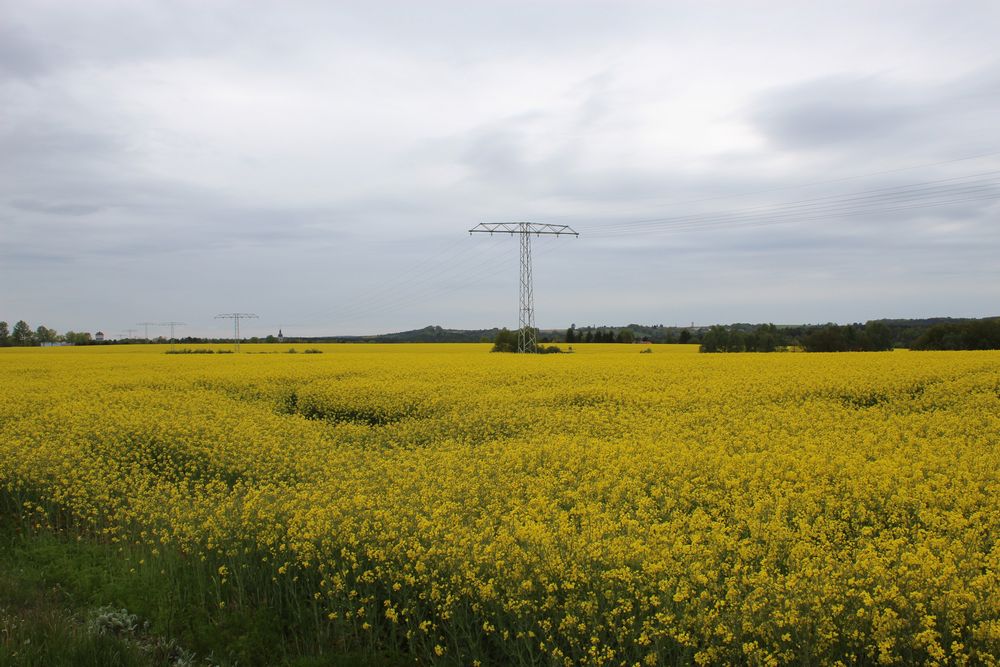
<point x="172" y="325"/>
<point x="236" y="317"/>
<point x="145" y="326"/>
<point x="526" y="336"/>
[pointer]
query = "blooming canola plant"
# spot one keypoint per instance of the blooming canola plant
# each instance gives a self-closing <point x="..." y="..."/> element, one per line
<point x="601" y="508"/>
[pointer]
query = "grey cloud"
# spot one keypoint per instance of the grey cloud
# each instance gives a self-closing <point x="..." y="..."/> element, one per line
<point x="55" y="209"/>
<point x="496" y="153"/>
<point x="94" y="161"/>
<point x="21" y="57"/>
<point x="539" y="149"/>
<point x="979" y="88"/>
<point x="515" y="149"/>
<point x="834" y="111"/>
<point x="879" y="112"/>
<point x="824" y="122"/>
<point x="40" y="42"/>
<point x="21" y="257"/>
<point x="37" y="140"/>
<point x="158" y="221"/>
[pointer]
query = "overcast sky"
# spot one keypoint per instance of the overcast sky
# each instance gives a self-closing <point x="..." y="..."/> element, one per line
<point x="319" y="163"/>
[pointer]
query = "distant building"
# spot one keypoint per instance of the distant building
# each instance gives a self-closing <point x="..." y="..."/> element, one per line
<point x="280" y="336"/>
<point x="99" y="336"/>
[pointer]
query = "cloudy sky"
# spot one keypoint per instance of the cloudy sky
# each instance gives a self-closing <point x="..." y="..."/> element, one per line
<point x="319" y="163"/>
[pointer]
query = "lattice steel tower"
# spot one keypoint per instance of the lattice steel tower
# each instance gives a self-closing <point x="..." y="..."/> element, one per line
<point x="526" y="334"/>
<point x="236" y="317"/>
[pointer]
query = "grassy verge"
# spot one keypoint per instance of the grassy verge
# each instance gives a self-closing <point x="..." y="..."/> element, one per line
<point x="63" y="602"/>
<point x="41" y="625"/>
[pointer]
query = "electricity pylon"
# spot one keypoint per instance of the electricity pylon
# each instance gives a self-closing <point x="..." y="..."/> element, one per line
<point x="236" y="317"/>
<point x="526" y="336"/>
<point x="172" y="325"/>
<point x="146" y="326"/>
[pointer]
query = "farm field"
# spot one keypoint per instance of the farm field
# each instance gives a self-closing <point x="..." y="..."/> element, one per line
<point x="606" y="507"/>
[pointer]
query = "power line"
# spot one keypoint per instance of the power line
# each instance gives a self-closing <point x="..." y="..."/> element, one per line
<point x="743" y="219"/>
<point x="485" y="269"/>
<point x="888" y="191"/>
<point x="877" y="200"/>
<point x="429" y="296"/>
<point x="810" y="184"/>
<point x="417" y="285"/>
<point x="385" y="290"/>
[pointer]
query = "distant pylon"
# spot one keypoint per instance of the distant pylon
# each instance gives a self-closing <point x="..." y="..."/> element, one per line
<point x="146" y="326"/>
<point x="236" y="317"/>
<point x="526" y="334"/>
<point x="172" y="325"/>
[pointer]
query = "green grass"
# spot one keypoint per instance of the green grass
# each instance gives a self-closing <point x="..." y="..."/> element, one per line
<point x="53" y="587"/>
<point x="38" y="626"/>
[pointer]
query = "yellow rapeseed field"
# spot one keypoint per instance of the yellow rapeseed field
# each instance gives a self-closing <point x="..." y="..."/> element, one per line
<point x="598" y="508"/>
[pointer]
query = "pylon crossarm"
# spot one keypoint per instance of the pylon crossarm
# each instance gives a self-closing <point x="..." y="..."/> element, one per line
<point x="512" y="228"/>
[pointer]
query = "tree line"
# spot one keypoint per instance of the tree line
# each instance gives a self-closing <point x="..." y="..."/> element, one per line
<point x="916" y="334"/>
<point x="972" y="335"/>
<point x="873" y="336"/>
<point x="22" y="335"/>
<point x="599" y="335"/>
<point x="765" y="338"/>
<point x="506" y="340"/>
<point x="632" y="333"/>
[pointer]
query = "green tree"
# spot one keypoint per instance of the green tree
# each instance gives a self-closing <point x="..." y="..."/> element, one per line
<point x="626" y="336"/>
<point x="571" y="334"/>
<point x="763" y="339"/>
<point x="973" y="335"/>
<point x="506" y="341"/>
<point x="982" y="335"/>
<point x="770" y="339"/>
<point x="830" y="338"/>
<point x="22" y="333"/>
<point x="4" y="334"/>
<point x="737" y="342"/>
<point x="715" y="339"/>
<point x="45" y="335"/>
<point x="879" y="336"/>
<point x="856" y="338"/>
<point x="76" y="338"/>
<point x="685" y="337"/>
